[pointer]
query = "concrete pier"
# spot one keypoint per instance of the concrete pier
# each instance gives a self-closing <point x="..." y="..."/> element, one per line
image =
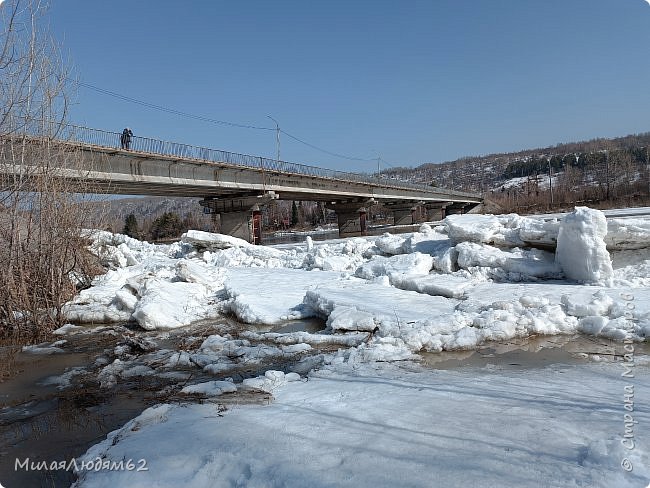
<point x="435" y="211"/>
<point x="455" y="208"/>
<point x="240" y="217"/>
<point x="351" y="217"/>
<point x="403" y="212"/>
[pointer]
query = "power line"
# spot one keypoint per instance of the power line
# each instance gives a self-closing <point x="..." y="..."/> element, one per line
<point x="168" y="110"/>
<point x="222" y="122"/>
<point x="351" y="158"/>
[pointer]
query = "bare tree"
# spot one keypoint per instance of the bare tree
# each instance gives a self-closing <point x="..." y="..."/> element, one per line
<point x="43" y="256"/>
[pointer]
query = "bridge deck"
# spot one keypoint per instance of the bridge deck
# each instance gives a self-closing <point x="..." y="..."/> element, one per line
<point x="154" y="167"/>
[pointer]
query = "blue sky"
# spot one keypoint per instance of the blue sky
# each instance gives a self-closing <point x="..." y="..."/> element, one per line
<point x="410" y="81"/>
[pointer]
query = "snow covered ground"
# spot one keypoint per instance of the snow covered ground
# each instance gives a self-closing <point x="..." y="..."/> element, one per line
<point x="369" y="426"/>
<point x="368" y="415"/>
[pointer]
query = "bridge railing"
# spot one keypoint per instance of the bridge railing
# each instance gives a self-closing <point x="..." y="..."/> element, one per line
<point x="107" y="139"/>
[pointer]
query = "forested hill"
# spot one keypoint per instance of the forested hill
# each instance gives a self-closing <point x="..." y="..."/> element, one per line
<point x="590" y="159"/>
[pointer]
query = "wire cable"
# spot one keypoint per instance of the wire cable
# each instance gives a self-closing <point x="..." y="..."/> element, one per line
<point x="223" y="122"/>
<point x="169" y="110"/>
<point x="351" y="158"/>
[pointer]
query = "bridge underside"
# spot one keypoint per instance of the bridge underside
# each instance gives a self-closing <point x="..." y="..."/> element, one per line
<point x="236" y="192"/>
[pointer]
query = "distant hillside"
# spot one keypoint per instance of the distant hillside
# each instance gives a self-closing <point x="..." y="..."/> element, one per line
<point x="588" y="171"/>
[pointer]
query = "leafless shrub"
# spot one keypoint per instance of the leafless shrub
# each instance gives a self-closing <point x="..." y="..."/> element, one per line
<point x="43" y="256"/>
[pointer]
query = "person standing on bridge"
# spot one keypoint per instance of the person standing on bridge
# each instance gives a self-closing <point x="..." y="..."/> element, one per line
<point x="126" y="138"/>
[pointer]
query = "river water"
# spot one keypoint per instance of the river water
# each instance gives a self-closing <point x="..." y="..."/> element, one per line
<point x="43" y="420"/>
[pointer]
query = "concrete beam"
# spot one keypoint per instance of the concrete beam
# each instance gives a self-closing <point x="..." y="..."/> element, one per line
<point x="110" y="170"/>
<point x="237" y="204"/>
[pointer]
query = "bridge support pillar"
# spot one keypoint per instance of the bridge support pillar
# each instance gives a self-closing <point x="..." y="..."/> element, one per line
<point x="238" y="224"/>
<point x="455" y="208"/>
<point x="435" y="211"/>
<point x="403" y="213"/>
<point x="352" y="218"/>
<point x="240" y="217"/>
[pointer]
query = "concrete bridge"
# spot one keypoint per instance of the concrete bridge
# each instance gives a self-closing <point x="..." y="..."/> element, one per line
<point x="236" y="186"/>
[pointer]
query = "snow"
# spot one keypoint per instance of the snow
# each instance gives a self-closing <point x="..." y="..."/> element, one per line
<point x="210" y="388"/>
<point x="270" y="296"/>
<point x="627" y="233"/>
<point x="404" y="289"/>
<point x="367" y="414"/>
<point x="367" y="426"/>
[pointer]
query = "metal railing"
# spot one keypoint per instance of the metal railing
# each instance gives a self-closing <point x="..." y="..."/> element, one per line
<point x="107" y="139"/>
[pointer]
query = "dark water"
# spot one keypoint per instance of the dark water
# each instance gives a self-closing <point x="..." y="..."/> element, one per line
<point x="41" y="422"/>
<point x="289" y="237"/>
<point x="44" y="423"/>
<point x="533" y="352"/>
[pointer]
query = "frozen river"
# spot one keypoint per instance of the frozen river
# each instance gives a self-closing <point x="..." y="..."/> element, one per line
<point x="485" y="351"/>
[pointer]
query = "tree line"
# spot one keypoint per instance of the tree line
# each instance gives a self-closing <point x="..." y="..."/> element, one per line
<point x="167" y="226"/>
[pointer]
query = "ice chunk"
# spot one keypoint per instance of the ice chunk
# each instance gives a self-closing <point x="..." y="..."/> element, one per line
<point x="167" y="305"/>
<point x="627" y="234"/>
<point x="210" y="388"/>
<point x="269" y="382"/>
<point x="416" y="264"/>
<point x="194" y="271"/>
<point x="433" y="284"/>
<point x="502" y="230"/>
<point x="349" y="318"/>
<point x="587" y="304"/>
<point x="125" y="300"/>
<point x="488" y="229"/>
<point x="68" y="329"/>
<point x="581" y="250"/>
<point x="532" y="262"/>
<point x="390" y="244"/>
<point x="202" y="241"/>
<point x="270" y="296"/>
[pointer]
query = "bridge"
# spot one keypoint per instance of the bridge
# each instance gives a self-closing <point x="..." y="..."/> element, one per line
<point x="236" y="186"/>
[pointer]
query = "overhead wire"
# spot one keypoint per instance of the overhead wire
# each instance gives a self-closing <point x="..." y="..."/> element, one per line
<point x="351" y="158"/>
<point x="169" y="110"/>
<point x="223" y="122"/>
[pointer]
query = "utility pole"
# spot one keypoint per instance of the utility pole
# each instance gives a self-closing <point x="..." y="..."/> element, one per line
<point x="550" y="181"/>
<point x="277" y="136"/>
<point x="607" y="174"/>
<point x="647" y="165"/>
